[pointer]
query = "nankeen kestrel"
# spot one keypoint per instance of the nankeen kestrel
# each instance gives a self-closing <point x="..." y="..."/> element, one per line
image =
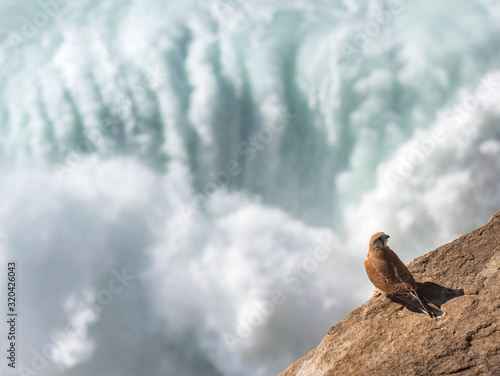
<point x="388" y="273"/>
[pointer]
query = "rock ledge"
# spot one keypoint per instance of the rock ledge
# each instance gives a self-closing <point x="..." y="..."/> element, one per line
<point x="385" y="338"/>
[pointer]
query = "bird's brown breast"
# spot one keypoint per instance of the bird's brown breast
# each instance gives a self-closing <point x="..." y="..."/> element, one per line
<point x="387" y="272"/>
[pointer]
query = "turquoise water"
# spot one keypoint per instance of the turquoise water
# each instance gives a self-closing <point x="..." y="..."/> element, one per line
<point x="234" y="157"/>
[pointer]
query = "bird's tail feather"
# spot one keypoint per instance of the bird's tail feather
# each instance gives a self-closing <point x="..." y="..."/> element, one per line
<point x="420" y="303"/>
<point x="425" y="304"/>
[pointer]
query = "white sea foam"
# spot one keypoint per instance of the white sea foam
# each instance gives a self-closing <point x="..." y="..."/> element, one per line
<point x="229" y="160"/>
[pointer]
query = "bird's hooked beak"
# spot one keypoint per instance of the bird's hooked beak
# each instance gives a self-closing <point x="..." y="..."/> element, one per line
<point x="381" y="241"/>
<point x="386" y="240"/>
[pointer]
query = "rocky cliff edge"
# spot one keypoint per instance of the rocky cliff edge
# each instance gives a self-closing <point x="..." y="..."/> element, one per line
<point x="383" y="337"/>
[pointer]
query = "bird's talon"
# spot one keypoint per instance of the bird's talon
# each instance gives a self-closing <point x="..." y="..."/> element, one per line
<point x="377" y="292"/>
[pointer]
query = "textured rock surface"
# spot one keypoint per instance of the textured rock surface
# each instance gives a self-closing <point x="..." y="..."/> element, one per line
<point x="385" y="338"/>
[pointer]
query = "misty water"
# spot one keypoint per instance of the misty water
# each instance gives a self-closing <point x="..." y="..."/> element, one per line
<point x="189" y="187"/>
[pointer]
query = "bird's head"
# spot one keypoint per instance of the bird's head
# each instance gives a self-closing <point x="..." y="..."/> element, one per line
<point x="379" y="240"/>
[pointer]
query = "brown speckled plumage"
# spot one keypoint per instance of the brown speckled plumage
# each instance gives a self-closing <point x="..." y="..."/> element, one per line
<point x="384" y="268"/>
<point x="388" y="273"/>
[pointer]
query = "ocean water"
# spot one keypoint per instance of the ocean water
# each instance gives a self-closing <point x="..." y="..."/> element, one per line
<point x="188" y="187"/>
